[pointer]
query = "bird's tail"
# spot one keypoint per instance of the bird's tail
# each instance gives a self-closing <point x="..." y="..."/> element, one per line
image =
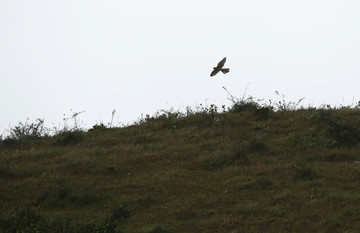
<point x="225" y="70"/>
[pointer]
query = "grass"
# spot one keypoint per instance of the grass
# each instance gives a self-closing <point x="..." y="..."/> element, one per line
<point x="253" y="168"/>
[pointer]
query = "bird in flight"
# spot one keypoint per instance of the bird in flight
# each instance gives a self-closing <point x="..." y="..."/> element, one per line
<point x="219" y="67"/>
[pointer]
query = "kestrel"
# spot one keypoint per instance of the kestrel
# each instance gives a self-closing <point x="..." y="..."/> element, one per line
<point x="219" y="67"/>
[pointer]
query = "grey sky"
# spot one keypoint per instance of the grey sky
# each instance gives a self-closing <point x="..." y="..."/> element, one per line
<point x="140" y="56"/>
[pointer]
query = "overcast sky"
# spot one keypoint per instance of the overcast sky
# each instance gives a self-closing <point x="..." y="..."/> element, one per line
<point x="139" y="56"/>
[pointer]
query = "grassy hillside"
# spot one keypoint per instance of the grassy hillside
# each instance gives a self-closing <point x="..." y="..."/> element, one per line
<point x="248" y="169"/>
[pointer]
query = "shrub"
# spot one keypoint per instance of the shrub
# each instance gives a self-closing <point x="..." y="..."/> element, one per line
<point x="112" y="222"/>
<point x="98" y="127"/>
<point x="120" y="212"/>
<point x="27" y="219"/>
<point x="61" y="196"/>
<point x="340" y="132"/>
<point x="245" y="105"/>
<point x="55" y="197"/>
<point x="343" y="133"/>
<point x="220" y="159"/>
<point x="205" y="116"/>
<point x="70" y="137"/>
<point x="282" y="105"/>
<point x="241" y="157"/>
<point x="76" y="124"/>
<point x="258" y="145"/>
<point x="263" y="113"/>
<point x="23" y="219"/>
<point x="84" y="198"/>
<point x="305" y="172"/>
<point x="322" y="116"/>
<point x="26" y="132"/>
<point x="167" y="118"/>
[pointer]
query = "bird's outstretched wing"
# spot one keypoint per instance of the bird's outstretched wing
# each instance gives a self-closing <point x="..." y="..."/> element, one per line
<point x="225" y="70"/>
<point x="221" y="63"/>
<point x="219" y="67"/>
<point x="214" y="72"/>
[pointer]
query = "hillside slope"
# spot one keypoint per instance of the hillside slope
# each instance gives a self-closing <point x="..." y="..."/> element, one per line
<point x="250" y="169"/>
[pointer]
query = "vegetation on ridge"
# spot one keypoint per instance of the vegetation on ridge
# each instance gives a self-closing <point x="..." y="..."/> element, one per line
<point x="256" y="167"/>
